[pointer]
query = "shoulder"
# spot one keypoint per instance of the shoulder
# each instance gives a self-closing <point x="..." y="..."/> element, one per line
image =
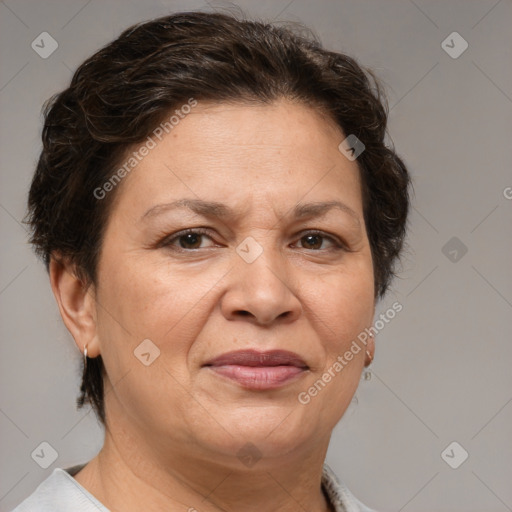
<point x="339" y="495"/>
<point x="60" y="492"/>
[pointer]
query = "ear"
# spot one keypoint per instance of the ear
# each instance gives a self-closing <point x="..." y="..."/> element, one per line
<point x="77" y="304"/>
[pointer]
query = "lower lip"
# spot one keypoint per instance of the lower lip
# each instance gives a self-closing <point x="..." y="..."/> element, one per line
<point x="259" y="377"/>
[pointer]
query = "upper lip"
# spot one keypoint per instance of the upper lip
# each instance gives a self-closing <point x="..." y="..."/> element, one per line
<point x="258" y="358"/>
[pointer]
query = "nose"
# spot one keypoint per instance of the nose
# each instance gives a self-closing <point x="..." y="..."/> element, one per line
<point x="261" y="292"/>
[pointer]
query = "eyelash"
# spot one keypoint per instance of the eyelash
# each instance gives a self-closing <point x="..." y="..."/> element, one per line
<point x="168" y="241"/>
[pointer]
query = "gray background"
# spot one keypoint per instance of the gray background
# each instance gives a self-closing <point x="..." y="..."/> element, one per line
<point x="442" y="369"/>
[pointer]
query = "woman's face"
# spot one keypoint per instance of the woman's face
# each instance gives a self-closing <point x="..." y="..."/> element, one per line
<point x="271" y="264"/>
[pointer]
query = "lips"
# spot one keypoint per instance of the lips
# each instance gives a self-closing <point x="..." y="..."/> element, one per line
<point x="253" y="358"/>
<point x="256" y="370"/>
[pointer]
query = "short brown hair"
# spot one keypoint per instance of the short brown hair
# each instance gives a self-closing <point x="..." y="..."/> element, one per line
<point x="120" y="94"/>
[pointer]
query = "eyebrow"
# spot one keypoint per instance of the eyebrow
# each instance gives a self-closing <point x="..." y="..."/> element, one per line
<point x="322" y="208"/>
<point x="222" y="211"/>
<point x="205" y="208"/>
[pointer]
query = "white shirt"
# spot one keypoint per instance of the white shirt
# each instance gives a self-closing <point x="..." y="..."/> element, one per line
<point x="60" y="492"/>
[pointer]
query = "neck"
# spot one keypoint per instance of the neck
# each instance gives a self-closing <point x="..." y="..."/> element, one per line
<point x="126" y="476"/>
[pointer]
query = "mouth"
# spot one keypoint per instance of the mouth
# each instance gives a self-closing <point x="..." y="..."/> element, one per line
<point x="256" y="370"/>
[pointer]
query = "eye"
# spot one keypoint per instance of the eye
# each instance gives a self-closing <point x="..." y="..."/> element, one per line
<point x="315" y="240"/>
<point x="189" y="239"/>
<point x="198" y="238"/>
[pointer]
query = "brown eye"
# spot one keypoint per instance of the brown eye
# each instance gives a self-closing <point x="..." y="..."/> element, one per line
<point x="312" y="241"/>
<point x="190" y="240"/>
<point x="320" y="241"/>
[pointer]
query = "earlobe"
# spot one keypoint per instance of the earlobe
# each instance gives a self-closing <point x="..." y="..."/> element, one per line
<point x="76" y="303"/>
<point x="370" y="350"/>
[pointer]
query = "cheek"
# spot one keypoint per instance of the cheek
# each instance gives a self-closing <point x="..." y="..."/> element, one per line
<point x="343" y="307"/>
<point x="343" y="301"/>
<point x="145" y="300"/>
<point x="141" y="302"/>
<point x="143" y="296"/>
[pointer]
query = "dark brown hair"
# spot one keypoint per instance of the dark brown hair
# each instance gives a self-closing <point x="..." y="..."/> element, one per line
<point x="119" y="95"/>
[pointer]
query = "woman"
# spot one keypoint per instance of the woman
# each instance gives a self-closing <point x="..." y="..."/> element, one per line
<point x="219" y="214"/>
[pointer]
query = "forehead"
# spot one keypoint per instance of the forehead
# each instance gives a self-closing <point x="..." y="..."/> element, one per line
<point x="224" y="152"/>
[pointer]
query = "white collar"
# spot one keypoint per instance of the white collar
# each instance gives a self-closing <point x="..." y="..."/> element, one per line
<point x="60" y="491"/>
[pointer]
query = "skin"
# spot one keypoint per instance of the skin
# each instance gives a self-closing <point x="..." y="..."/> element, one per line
<point x="174" y="427"/>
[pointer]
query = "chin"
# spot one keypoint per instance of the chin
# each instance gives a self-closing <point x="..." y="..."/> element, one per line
<point x="271" y="433"/>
